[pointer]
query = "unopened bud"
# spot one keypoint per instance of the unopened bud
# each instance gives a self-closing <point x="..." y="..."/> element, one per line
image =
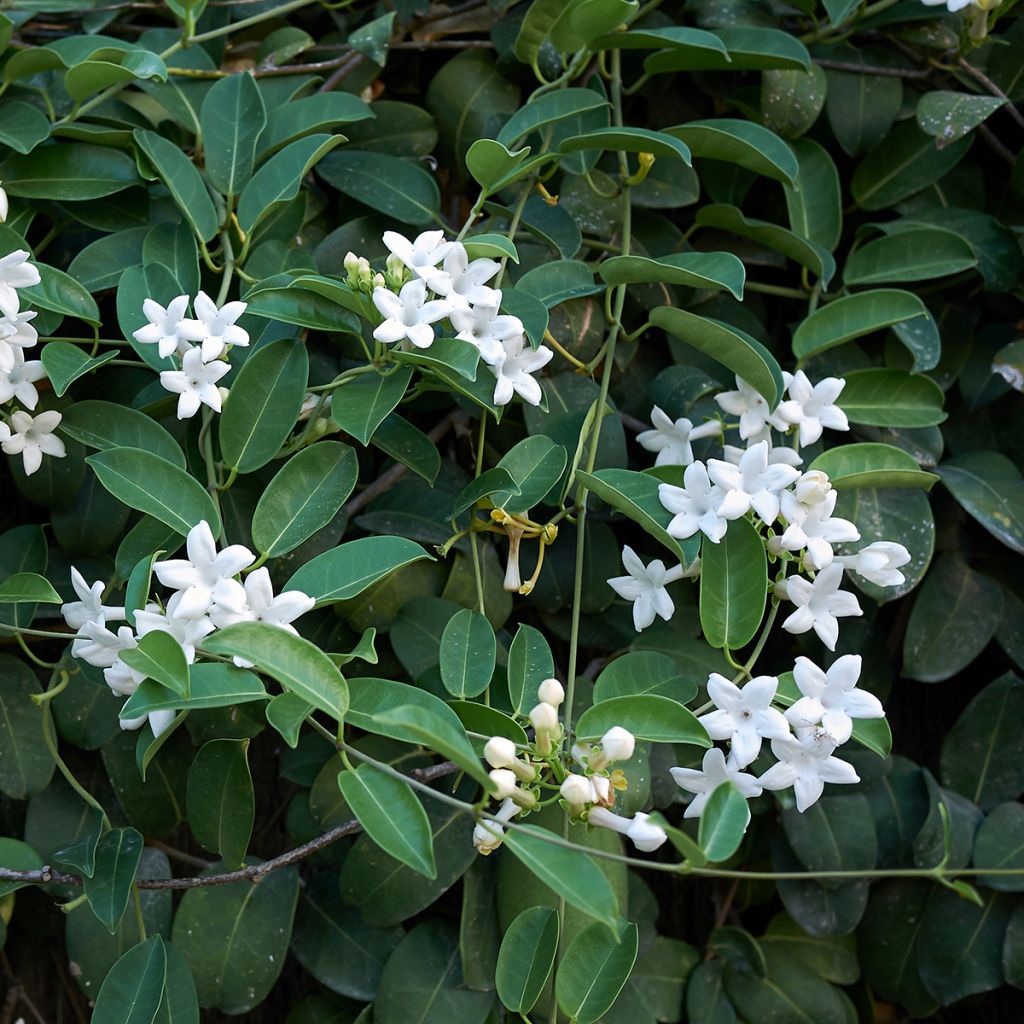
<point x="551" y="692"/>
<point x="644" y="834"/>
<point x="500" y="752"/>
<point x="544" y="718"/>
<point x="351" y="262"/>
<point x="812" y="487"/>
<point x="577" y="791"/>
<point x="618" y="744"/>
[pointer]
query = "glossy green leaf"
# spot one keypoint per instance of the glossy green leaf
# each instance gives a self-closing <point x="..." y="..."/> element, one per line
<point x="28" y="588"/>
<point x="871" y="465"/>
<point x="526" y="957"/>
<point x="65" y="363"/>
<point x="723" y="822"/>
<point x="710" y="270"/>
<point x="629" y="140"/>
<point x="815" y="206"/>
<point x="61" y="293"/>
<point x="748" y="47"/>
<point x="949" y="116"/>
<point x="220" y="799"/>
<point x="733" y="586"/>
<point x="648" y="716"/>
<point x="68" y="171"/>
<point x="791" y="100"/>
<point x="231" y="118"/>
<point x="160" y="656"/>
<point x="211" y="685"/>
<point x="387" y="184"/>
<point x="468" y="650"/>
<point x="535" y="466"/>
<point x="530" y="662"/>
<point x="743" y="143"/>
<point x="989" y="488"/>
<point x="369" y="400"/>
<point x="310" y="114"/>
<point x="109" y="887"/>
<point x="183" y="180"/>
<point x="132" y="991"/>
<point x="594" y="969"/>
<point x="891" y="398"/>
<point x="917" y="254"/>
<point x="549" y="108"/>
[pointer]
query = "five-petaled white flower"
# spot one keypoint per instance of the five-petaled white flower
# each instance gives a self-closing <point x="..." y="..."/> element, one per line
<point x="819" y="605"/>
<point x="195" y="383"/>
<point x="15" y="272"/>
<point x="951" y="5"/>
<point x="703" y="781"/>
<point x="421" y="255"/>
<point x="483" y="326"/>
<point x="408" y="314"/>
<point x="163" y="326"/>
<point x="753" y="484"/>
<point x="488" y="835"/>
<point x="464" y="281"/>
<point x="815" y="528"/>
<point x="831" y="698"/>
<point x="16" y="334"/>
<point x="32" y="437"/>
<point x="188" y="630"/>
<point x="671" y="440"/>
<point x="694" y="506"/>
<point x="19" y="381"/>
<point x="812" y="407"/>
<point x="806" y="763"/>
<point x="878" y="562"/>
<point x="645" y="587"/>
<point x="202" y="577"/>
<point x="744" y="716"/>
<point x="750" y="405"/>
<point x="513" y="369"/>
<point x="254" y="601"/>
<point x="214" y="328"/>
<point x="89" y="607"/>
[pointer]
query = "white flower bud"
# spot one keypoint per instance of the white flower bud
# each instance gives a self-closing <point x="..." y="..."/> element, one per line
<point x="577" y="791"/>
<point x="504" y="782"/>
<point x="812" y="487"/>
<point x="3" y="206"/>
<point x="544" y="718"/>
<point x="378" y="281"/>
<point x="551" y="692"/>
<point x="223" y="394"/>
<point x="618" y="744"/>
<point x="499" y="752"/>
<point x="351" y="262"/>
<point x="487" y="837"/>
<point x="395" y="266"/>
<point x="644" y="834"/>
<point x="601" y="817"/>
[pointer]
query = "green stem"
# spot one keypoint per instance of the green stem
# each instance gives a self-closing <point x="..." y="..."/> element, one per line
<point x="775" y="289"/>
<point x="140" y="921"/>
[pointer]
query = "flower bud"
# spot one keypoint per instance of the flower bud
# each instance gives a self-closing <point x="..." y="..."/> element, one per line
<point x="577" y="791"/>
<point x="544" y="718"/>
<point x="351" y="263"/>
<point x="223" y="394"/>
<point x="602" y="787"/>
<point x="644" y="834"/>
<point x="504" y="782"/>
<point x="3" y="206"/>
<point x="395" y="267"/>
<point x="601" y="817"/>
<point x="618" y="744"/>
<point x="812" y="487"/>
<point x="774" y="546"/>
<point x="378" y="281"/>
<point x="499" y="752"/>
<point x="487" y="837"/>
<point x="551" y="692"/>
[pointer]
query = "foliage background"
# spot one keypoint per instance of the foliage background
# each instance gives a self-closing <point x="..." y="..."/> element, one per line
<point x="878" y="198"/>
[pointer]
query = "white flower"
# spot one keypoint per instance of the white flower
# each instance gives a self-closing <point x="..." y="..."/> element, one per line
<point x="4" y="209"/>
<point x="778" y="455"/>
<point x="98" y="646"/>
<point x="215" y="328"/>
<point x="806" y="763"/>
<point x="408" y="314"/>
<point x="744" y="716"/>
<point x="753" y="484"/>
<point x="463" y="281"/>
<point x="694" y="505"/>
<point x="811" y="407"/>
<point x="15" y="272"/>
<point x="831" y="698"/>
<point x="188" y="631"/>
<point x="487" y="835"/>
<point x="812" y="488"/>
<point x="577" y="791"/>
<point x="819" y="605"/>
<point x="551" y="692"/>
<point x="750" y="405"/>
<point x="32" y="437"/>
<point x="645" y="587"/>
<point x="254" y="601"/>
<point x="878" y="562"/>
<point x="671" y="440"/>
<point x="702" y="782"/>
<point x="643" y="834"/>
<point x="164" y="326"/>
<point x="815" y="528"/>
<point x="19" y="381"/>
<point x="195" y="383"/>
<point x="203" y="574"/>
<point x="481" y="325"/>
<point x="423" y="254"/>
<point x="951" y="5"/>
<point x="89" y="607"/>
<point x="16" y="334"/>
<point x="512" y="370"/>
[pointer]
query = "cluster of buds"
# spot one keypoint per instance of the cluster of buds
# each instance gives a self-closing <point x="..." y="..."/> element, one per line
<point x="585" y="781"/>
<point x="361" y="277"/>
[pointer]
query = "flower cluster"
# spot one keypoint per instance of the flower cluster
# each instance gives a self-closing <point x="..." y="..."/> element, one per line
<point x="803" y="737"/>
<point x="429" y="280"/>
<point x="22" y="434"/>
<point x="586" y="788"/>
<point x="794" y="509"/>
<point x="202" y="344"/>
<point x="206" y="595"/>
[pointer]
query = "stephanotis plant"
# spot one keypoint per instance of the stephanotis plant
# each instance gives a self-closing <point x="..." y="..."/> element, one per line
<point x="470" y="524"/>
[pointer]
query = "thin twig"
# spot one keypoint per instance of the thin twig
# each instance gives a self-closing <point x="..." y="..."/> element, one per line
<point x="983" y="79"/>
<point x="993" y="140"/>
<point x="872" y="69"/>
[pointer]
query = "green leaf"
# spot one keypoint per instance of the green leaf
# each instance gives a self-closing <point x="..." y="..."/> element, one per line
<point x="68" y="171"/>
<point x="231" y="118"/>
<point x="951" y="115"/>
<point x="180" y="176"/>
<point x="25" y="763"/>
<point x="347" y="570"/>
<point x="286" y="713"/>
<point x="730" y="346"/>
<point x="24" y="126"/>
<point x="648" y="716"/>
<point x="733" y="586"/>
<point x="530" y="662"/>
<point x="791" y="100"/>
<point x="643" y="672"/>
<point x="212" y="685"/>
<point x="61" y="293"/>
<point x="110" y="885"/>
<point x="220" y="799"/>
<point x="801" y="250"/>
<point x="479" y="718"/>
<point x="150" y="484"/>
<point x="871" y="465"/>
<point x="526" y="957"/>
<point x="180" y="1004"/>
<point x="132" y="991"/>
<point x="906" y="162"/>
<point x="748" y="47"/>
<point x="593" y="970"/>
<point x="236" y="964"/>
<point x="709" y="270"/>
<point x="295" y="663"/>
<point x="569" y="872"/>
<point x="28" y="588"/>
<point x="535" y="465"/>
<point x="392" y="816"/>
<point x="493" y="165"/>
<point x="278" y="181"/>
<point x="491" y="246"/>
<point x="303" y="497"/>
<point x="263" y="404"/>
<point x="743" y="143"/>
<point x="549" y="108"/>
<point x="18" y="856"/>
<point x="815" y="206"/>
<point x="891" y="398"/>
<point x="635" y="495"/>
<point x="407" y="444"/>
<point x="558" y="281"/>
<point x="915" y="254"/>
<point x="445" y="354"/>
<point x="999" y="845"/>
<point x="385" y="183"/>
<point x="468" y="651"/>
<point x="723" y="822"/>
<point x="368" y="401"/>
<point x="629" y="140"/>
<point x="310" y="114"/>
<point x="988" y="486"/>
<point x="489" y="482"/>
<point x="159" y="656"/>
<point x="65" y="363"/>
<point x="91" y="76"/>
<point x="979" y="756"/>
